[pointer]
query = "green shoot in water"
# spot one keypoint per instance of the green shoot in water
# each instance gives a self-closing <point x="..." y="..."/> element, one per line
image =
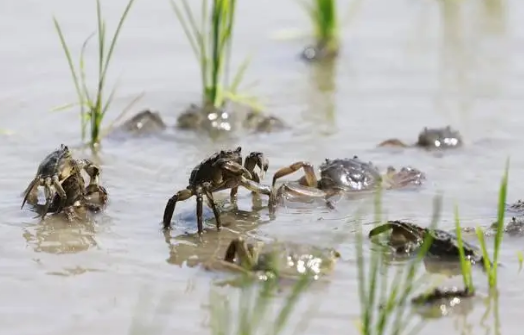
<point x="93" y="108"/>
<point x="465" y="265"/>
<point x="383" y="305"/>
<point x="491" y="266"/>
<point x="323" y="16"/>
<point x="211" y="40"/>
<point x="254" y="308"/>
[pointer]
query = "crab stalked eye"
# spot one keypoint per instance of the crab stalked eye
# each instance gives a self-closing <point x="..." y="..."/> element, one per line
<point x="238" y="149"/>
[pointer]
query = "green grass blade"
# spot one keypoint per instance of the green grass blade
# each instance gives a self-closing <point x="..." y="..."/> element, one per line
<point x="88" y="101"/>
<point x="500" y="220"/>
<point x="186" y="27"/>
<point x="485" y="255"/>
<point x="291" y="302"/>
<point x="115" y="36"/>
<point x="466" y="270"/>
<point x="239" y="75"/>
<point x="73" y="73"/>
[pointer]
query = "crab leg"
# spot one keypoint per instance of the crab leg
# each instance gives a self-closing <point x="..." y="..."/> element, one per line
<point x="171" y="203"/>
<point x="256" y="187"/>
<point x="236" y="169"/>
<point x="48" y="195"/>
<point x="309" y="171"/>
<point x="60" y="191"/>
<point x="29" y="189"/>
<point x="209" y="195"/>
<point x="199" y="209"/>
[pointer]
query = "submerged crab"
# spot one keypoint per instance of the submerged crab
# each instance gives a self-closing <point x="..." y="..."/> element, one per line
<point x="406" y="238"/>
<point x="54" y="169"/>
<point x="344" y="175"/>
<point x="223" y="170"/>
<point x="431" y="138"/>
<point x="283" y="260"/>
<point x="320" y="51"/>
<point x="444" y="301"/>
<point x="143" y="123"/>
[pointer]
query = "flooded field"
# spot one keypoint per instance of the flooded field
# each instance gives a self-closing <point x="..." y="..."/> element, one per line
<point x="404" y="65"/>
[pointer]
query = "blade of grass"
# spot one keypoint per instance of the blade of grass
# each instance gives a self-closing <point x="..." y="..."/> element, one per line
<point x="464" y="264"/>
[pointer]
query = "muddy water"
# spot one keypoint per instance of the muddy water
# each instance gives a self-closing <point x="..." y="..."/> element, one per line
<point x="405" y="65"/>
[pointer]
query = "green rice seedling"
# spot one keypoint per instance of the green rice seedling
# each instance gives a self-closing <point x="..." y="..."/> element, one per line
<point x="465" y="265"/>
<point x="491" y="266"/>
<point x="93" y="107"/>
<point x="254" y="309"/>
<point x="390" y="300"/>
<point x="324" y="19"/>
<point x="211" y="40"/>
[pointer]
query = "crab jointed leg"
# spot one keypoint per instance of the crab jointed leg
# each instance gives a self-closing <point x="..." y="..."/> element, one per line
<point x="171" y="204"/>
<point x="309" y="179"/>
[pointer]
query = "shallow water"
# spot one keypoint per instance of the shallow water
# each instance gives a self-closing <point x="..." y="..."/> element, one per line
<point x="405" y="65"/>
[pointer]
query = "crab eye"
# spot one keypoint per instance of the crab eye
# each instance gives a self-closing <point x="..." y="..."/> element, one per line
<point x="238" y="149"/>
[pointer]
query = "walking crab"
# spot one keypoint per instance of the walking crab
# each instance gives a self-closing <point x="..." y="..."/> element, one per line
<point x="222" y="170"/>
<point x="344" y="175"/>
<point x="54" y="170"/>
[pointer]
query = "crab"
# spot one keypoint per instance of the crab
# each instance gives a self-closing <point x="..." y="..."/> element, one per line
<point x="283" y="260"/>
<point x="78" y="198"/>
<point x="222" y="170"/>
<point x="438" y="302"/>
<point x="344" y="175"/>
<point x="406" y="239"/>
<point x="143" y="123"/>
<point x="54" y="169"/>
<point x="446" y="293"/>
<point x="431" y="138"/>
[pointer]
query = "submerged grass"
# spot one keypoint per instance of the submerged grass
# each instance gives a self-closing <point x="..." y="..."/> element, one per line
<point x="491" y="266"/>
<point x="211" y="40"/>
<point x="383" y="306"/>
<point x="465" y="265"/>
<point x="255" y="306"/>
<point x="324" y="19"/>
<point x="93" y="108"/>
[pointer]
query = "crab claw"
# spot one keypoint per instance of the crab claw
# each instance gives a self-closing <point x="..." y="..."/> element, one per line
<point x="257" y="159"/>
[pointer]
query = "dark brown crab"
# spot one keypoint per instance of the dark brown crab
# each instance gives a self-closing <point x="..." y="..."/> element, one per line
<point x="222" y="170"/>
<point x="344" y="175"/>
<point x="79" y="198"/>
<point x="406" y="238"/>
<point x="431" y="138"/>
<point x="53" y="170"/>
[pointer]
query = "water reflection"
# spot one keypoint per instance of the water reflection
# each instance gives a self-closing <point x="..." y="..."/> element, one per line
<point x="492" y="305"/>
<point x="470" y="64"/>
<point x="57" y="235"/>
<point x="321" y="94"/>
<point x="191" y="249"/>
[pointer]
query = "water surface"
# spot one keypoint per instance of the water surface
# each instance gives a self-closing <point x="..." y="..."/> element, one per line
<point x="404" y="65"/>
